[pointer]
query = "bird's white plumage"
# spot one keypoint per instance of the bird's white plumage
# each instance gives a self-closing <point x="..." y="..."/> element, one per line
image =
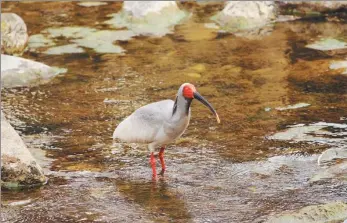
<point x="145" y="123"/>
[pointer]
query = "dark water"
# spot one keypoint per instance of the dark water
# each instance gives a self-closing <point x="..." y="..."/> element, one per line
<point x="229" y="172"/>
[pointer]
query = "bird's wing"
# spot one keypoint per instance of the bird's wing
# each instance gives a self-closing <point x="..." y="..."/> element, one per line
<point x="143" y="125"/>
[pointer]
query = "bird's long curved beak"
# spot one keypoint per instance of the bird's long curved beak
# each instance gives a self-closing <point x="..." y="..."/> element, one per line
<point x="205" y="102"/>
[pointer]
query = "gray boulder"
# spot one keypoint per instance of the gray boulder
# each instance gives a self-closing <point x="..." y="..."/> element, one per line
<point x="18" y="167"/>
<point x="155" y="18"/>
<point x="19" y="72"/>
<point x="14" y="36"/>
<point x="239" y="16"/>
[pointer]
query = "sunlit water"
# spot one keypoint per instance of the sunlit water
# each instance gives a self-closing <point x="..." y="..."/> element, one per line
<point x="236" y="171"/>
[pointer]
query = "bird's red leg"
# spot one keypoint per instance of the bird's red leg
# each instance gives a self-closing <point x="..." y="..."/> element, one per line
<point x="152" y="162"/>
<point x="162" y="162"/>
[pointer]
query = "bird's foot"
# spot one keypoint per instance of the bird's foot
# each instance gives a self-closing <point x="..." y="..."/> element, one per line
<point x="162" y="172"/>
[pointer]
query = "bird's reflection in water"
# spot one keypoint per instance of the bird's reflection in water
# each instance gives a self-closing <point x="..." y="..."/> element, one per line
<point x="157" y="197"/>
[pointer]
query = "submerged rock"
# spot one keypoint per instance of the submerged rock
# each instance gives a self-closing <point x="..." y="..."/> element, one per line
<point x="245" y="15"/>
<point x="320" y="132"/>
<point x="328" y="45"/>
<point x="330" y="212"/>
<point x="18" y="167"/>
<point x="289" y="107"/>
<point x="39" y="40"/>
<point x="339" y="65"/>
<point x="336" y="172"/>
<point x="91" y="4"/>
<point x="101" y="41"/>
<point x="333" y="164"/>
<point x="69" y="48"/>
<point x="19" y="72"/>
<point x="332" y="154"/>
<point x="14" y="36"/>
<point x="148" y="17"/>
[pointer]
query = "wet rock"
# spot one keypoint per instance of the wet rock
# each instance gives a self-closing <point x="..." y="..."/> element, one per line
<point x="101" y="41"/>
<point x="332" y="154"/>
<point x="296" y="106"/>
<point x="339" y="65"/>
<point x="328" y="44"/>
<point x="39" y="40"/>
<point x="320" y="132"/>
<point x="19" y="72"/>
<point x="18" y="167"/>
<point x="92" y="4"/>
<point x="245" y="15"/>
<point x="148" y="17"/>
<point x="14" y="34"/>
<point x="335" y="172"/>
<point x="19" y="203"/>
<point x="330" y="212"/>
<point x="70" y="48"/>
<point x="334" y="165"/>
<point x="69" y="32"/>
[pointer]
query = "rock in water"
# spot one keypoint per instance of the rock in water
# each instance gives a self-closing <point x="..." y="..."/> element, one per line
<point x="329" y="155"/>
<point x="148" y="17"/>
<point x="14" y="36"/>
<point x="18" y="167"/>
<point x="240" y="16"/>
<point x="19" y="72"/>
<point x="331" y="212"/>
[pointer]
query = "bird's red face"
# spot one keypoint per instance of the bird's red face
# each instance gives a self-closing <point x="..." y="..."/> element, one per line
<point x="188" y="91"/>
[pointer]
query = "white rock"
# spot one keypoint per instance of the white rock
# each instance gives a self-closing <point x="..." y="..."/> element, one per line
<point x="14" y="34"/>
<point x="330" y="212"/>
<point x="339" y="65"/>
<point x="245" y="15"/>
<point x="92" y="4"/>
<point x="328" y="44"/>
<point x="19" y="168"/>
<point x="140" y="9"/>
<point x="289" y="107"/>
<point x="148" y="17"/>
<point x="19" y="72"/>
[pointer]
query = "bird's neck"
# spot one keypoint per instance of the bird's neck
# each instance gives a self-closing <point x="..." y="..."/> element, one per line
<point x="181" y="107"/>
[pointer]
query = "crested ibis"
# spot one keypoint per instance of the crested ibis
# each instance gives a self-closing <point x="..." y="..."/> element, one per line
<point x="160" y="123"/>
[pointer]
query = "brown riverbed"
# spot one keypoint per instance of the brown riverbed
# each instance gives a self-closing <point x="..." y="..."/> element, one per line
<point x="228" y="172"/>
